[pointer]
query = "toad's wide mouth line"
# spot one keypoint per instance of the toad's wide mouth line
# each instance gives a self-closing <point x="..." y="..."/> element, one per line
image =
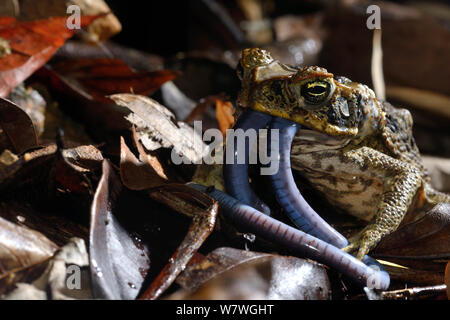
<point x="309" y="135"/>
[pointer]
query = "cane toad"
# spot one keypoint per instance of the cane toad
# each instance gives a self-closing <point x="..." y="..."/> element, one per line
<point x="358" y="151"/>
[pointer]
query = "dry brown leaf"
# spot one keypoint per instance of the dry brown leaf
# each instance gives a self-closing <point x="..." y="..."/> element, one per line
<point x="102" y="29"/>
<point x="201" y="208"/>
<point x="30" y="101"/>
<point x="413" y="276"/>
<point x="425" y="238"/>
<point x="36" y="166"/>
<point x="17" y="130"/>
<point x="7" y="158"/>
<point x="201" y="227"/>
<point x="224" y="115"/>
<point x="52" y="284"/>
<point x="22" y="253"/>
<point x="439" y="171"/>
<point x="118" y="262"/>
<point x="156" y="127"/>
<point x="136" y="174"/>
<point x="32" y="43"/>
<point x="56" y="227"/>
<point x="228" y="273"/>
<point x="100" y="77"/>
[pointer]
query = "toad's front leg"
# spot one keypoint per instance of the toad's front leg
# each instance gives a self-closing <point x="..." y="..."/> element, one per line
<point x="400" y="183"/>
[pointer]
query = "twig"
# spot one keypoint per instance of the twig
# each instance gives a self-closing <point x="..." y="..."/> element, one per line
<point x="413" y="293"/>
<point x="377" y="65"/>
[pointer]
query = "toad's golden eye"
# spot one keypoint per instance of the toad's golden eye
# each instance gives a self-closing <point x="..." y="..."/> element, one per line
<point x="315" y="92"/>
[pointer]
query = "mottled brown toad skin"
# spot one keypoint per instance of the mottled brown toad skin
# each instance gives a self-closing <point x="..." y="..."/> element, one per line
<point x="372" y="168"/>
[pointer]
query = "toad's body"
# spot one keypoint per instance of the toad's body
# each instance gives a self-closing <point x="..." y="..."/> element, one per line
<point x="357" y="151"/>
<point x="355" y="186"/>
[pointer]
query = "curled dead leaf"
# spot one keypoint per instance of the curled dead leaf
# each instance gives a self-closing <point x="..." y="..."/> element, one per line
<point x="224" y="114"/>
<point x="23" y="253"/>
<point x="116" y="262"/>
<point x="17" y="130"/>
<point x="156" y="127"/>
<point x="103" y="28"/>
<point x="72" y="170"/>
<point x="33" y="43"/>
<point x="57" y="281"/>
<point x="30" y="101"/>
<point x="100" y="77"/>
<point x="228" y="273"/>
<point x="200" y="207"/>
<point x="425" y="238"/>
<point x="136" y="174"/>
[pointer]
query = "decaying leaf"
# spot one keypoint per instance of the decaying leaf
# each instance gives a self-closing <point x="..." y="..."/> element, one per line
<point x="30" y="101"/>
<point x="117" y="263"/>
<point x="439" y="171"/>
<point x="17" y="130"/>
<point x="32" y="43"/>
<point x="202" y="225"/>
<point x="65" y="277"/>
<point x="29" y="168"/>
<point x="414" y="276"/>
<point x="224" y="114"/>
<point x="56" y="227"/>
<point x="101" y="29"/>
<point x="74" y="167"/>
<point x="228" y="273"/>
<point x="135" y="59"/>
<point x="425" y="238"/>
<point x="422" y="245"/>
<point x="7" y="158"/>
<point x="43" y="164"/>
<point x="181" y="198"/>
<point x="5" y="48"/>
<point x="98" y="78"/>
<point x="156" y="127"/>
<point x="23" y="253"/>
<point x="136" y="174"/>
<point x="84" y="158"/>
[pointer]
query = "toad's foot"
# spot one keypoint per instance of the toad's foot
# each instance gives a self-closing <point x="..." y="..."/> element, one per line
<point x="364" y="241"/>
<point x="401" y="183"/>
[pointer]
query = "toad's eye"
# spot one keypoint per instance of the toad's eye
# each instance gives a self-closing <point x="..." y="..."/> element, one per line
<point x="315" y="92"/>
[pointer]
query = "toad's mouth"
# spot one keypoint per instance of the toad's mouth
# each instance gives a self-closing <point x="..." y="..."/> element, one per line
<point x="310" y="136"/>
